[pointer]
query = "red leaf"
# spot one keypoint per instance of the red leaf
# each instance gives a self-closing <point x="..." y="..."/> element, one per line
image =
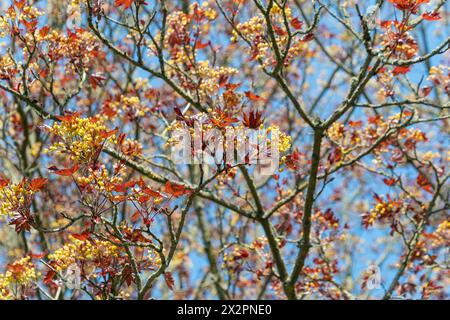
<point x="3" y="182"/>
<point x="64" y="172"/>
<point x="169" y="280"/>
<point x="243" y="254"/>
<point x="30" y="25"/>
<point x="176" y="190"/>
<point x="19" y="4"/>
<point x="408" y="4"/>
<point x="37" y="255"/>
<point x="20" y="223"/>
<point x="121" y="138"/>
<point x="44" y="31"/>
<point x="432" y="16"/>
<point x="96" y="80"/>
<point x="223" y="81"/>
<point x="401" y="70"/>
<point x="279" y="31"/>
<point x="125" y="3"/>
<point x="38" y="184"/>
<point x="424" y="183"/>
<point x="152" y="193"/>
<point x="308" y="37"/>
<point x="377" y="198"/>
<point x="355" y="124"/>
<point x="128" y="275"/>
<point x="426" y="91"/>
<point x="202" y="45"/>
<point x="135" y="217"/>
<point x="49" y="276"/>
<point x="253" y="97"/>
<point x="122" y="187"/>
<point x="69" y="116"/>
<point x="82" y="236"/>
<point x="296" y="23"/>
<point x="253" y="120"/>
<point x="225" y="122"/>
<point x="292" y="160"/>
<point x="143" y="199"/>
<point x="232" y="86"/>
<point x="107" y="134"/>
<point x="386" y="24"/>
<point x="390" y="181"/>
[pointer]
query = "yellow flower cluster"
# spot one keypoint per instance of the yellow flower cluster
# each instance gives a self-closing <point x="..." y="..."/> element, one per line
<point x="26" y="17"/>
<point x="353" y="136"/>
<point x="80" y="138"/>
<point x="251" y="27"/>
<point x="442" y="234"/>
<point x="197" y="76"/>
<point x="381" y="210"/>
<point x="284" y="140"/>
<point x="18" y="276"/>
<point x="131" y="148"/>
<point x="100" y="180"/>
<point x="7" y="67"/>
<point x="400" y="46"/>
<point x="130" y="106"/>
<point x="8" y="18"/>
<point x="3" y="25"/>
<point x="135" y="104"/>
<point x="254" y="31"/>
<point x="336" y="131"/>
<point x="385" y="82"/>
<point x="440" y="76"/>
<point x="205" y="9"/>
<point x="210" y="77"/>
<point x="86" y="251"/>
<point x="30" y="13"/>
<point x="177" y="34"/>
<point x="13" y="196"/>
<point x="80" y="45"/>
<point x="233" y="259"/>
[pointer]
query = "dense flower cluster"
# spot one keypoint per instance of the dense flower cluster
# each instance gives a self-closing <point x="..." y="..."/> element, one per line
<point x="26" y="16"/>
<point x="178" y="36"/>
<point x="99" y="180"/>
<point x="441" y="237"/>
<point x="199" y="77"/>
<point x="384" y="210"/>
<point x="130" y="106"/>
<point x="7" y="67"/>
<point x="81" y="139"/>
<point x="440" y="76"/>
<point x="211" y="77"/>
<point x="19" y="276"/>
<point x="256" y="31"/>
<point x="398" y="42"/>
<point x="254" y="143"/>
<point x="81" y="47"/>
<point x="16" y="198"/>
<point x="354" y="137"/>
<point x="86" y="253"/>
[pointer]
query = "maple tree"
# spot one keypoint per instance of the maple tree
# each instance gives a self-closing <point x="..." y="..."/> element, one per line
<point x="353" y="96"/>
